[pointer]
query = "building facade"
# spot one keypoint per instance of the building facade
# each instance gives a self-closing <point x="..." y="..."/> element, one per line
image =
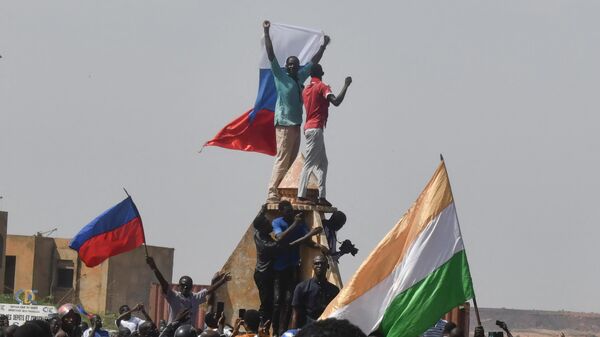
<point x="49" y="268"/>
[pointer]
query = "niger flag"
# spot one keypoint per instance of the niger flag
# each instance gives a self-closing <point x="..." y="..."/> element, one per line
<point x="416" y="274"/>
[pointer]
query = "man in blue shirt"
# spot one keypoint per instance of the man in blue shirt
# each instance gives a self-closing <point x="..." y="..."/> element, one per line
<point x="288" y="109"/>
<point x="286" y="265"/>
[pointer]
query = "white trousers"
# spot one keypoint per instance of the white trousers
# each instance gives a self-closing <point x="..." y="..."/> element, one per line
<point x="316" y="161"/>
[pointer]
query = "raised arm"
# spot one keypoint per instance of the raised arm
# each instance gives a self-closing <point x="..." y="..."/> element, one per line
<point x="221" y="279"/>
<point x="120" y="318"/>
<point x="337" y="100"/>
<point x="317" y="57"/>
<point x="298" y="219"/>
<point x="145" y="314"/>
<point x="306" y="239"/>
<point x="164" y="285"/>
<point x="268" y="42"/>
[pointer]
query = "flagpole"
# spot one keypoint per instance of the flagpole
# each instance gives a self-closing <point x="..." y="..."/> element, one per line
<point x="141" y="222"/>
<point x="450" y="186"/>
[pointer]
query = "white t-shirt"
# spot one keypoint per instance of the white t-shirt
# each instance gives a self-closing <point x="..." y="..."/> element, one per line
<point x="178" y="302"/>
<point x="132" y="324"/>
<point x="100" y="333"/>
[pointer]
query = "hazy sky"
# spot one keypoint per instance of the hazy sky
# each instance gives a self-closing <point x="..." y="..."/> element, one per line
<point x="97" y="95"/>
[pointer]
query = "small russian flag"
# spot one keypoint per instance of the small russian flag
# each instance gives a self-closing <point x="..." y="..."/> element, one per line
<point x="117" y="230"/>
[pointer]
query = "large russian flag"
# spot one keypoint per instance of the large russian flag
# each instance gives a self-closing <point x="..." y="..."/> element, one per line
<point x="255" y="129"/>
<point x="117" y="230"/>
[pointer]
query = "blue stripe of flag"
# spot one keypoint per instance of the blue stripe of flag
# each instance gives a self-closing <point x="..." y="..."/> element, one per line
<point x="111" y="219"/>
<point x="267" y="94"/>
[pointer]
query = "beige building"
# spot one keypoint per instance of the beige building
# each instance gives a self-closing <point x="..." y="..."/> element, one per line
<point x="50" y="268"/>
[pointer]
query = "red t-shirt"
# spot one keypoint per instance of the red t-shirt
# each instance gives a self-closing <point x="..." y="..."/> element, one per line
<point x="316" y="104"/>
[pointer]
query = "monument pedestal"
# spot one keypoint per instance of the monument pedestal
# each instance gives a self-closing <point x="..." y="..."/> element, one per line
<point x="241" y="291"/>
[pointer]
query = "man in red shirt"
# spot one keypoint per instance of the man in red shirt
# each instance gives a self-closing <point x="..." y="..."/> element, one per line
<point x="317" y="96"/>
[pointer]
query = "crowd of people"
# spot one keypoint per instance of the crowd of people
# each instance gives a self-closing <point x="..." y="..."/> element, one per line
<point x="68" y="323"/>
<point x="289" y="306"/>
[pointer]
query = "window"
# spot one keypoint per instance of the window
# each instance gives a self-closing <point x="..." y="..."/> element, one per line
<point x="64" y="274"/>
<point x="9" y="274"/>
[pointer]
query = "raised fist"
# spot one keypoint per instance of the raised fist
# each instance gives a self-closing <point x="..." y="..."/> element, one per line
<point x="266" y="24"/>
<point x="326" y="40"/>
<point x="348" y="80"/>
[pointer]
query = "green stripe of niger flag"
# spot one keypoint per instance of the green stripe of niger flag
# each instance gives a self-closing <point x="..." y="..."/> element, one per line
<point x="447" y="287"/>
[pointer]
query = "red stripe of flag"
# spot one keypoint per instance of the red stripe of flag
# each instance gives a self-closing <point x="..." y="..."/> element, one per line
<point x="242" y="134"/>
<point x="120" y="240"/>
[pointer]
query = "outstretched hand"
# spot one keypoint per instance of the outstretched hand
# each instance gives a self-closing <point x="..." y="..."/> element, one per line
<point x="222" y="275"/>
<point x="316" y="230"/>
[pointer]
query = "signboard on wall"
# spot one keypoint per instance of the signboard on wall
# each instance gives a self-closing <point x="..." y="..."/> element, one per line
<point x="20" y="313"/>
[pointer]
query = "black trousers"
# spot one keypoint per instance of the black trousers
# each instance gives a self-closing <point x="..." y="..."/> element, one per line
<point x="284" y="283"/>
<point x="264" y="283"/>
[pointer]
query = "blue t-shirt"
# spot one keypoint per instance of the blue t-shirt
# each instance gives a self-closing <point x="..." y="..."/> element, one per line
<point x="289" y="257"/>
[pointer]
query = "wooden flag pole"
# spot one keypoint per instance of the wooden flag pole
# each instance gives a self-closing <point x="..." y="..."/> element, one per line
<point x="474" y="299"/>
<point x="143" y="231"/>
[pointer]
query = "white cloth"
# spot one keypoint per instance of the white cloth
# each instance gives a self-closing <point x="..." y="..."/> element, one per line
<point x="291" y="40"/>
<point x="100" y="333"/>
<point x="132" y="324"/>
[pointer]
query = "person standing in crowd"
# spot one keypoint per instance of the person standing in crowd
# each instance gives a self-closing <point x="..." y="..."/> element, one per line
<point x="148" y="329"/>
<point x="128" y="321"/>
<point x="96" y="329"/>
<point x="286" y="265"/>
<point x="250" y="322"/>
<point x="288" y="109"/>
<point x="312" y="296"/>
<point x="185" y="298"/>
<point x="267" y="249"/>
<point x="54" y="322"/>
<point x="317" y="97"/>
<point x="69" y="321"/>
